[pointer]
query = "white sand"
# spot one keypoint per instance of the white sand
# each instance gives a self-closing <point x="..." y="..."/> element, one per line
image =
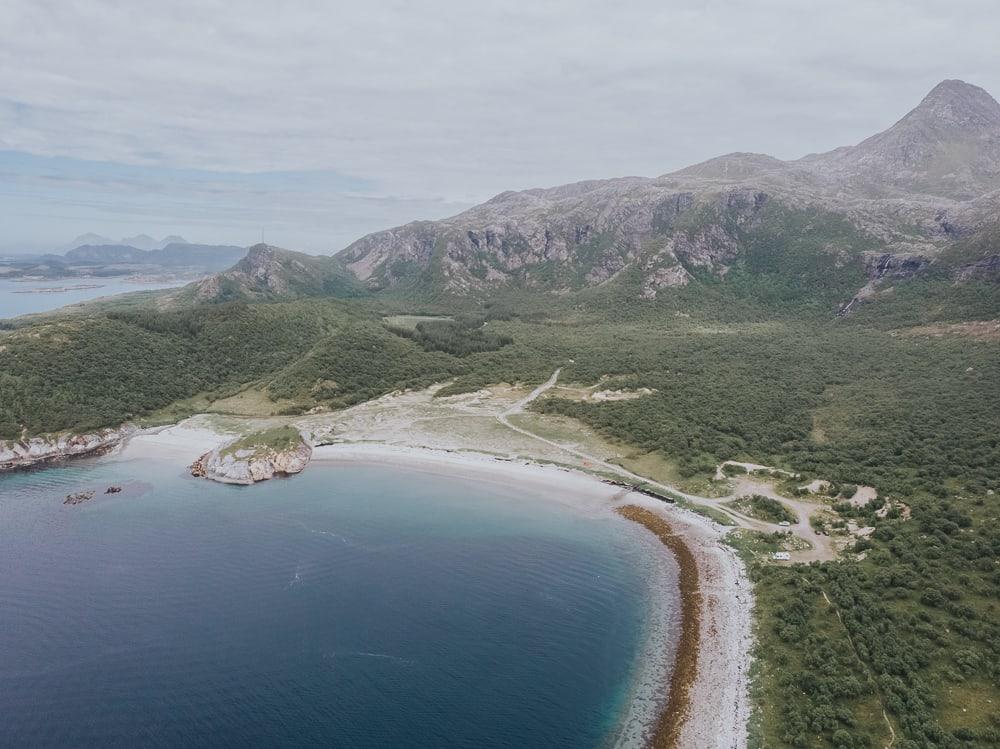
<point x="576" y="489"/>
<point x="185" y="441"/>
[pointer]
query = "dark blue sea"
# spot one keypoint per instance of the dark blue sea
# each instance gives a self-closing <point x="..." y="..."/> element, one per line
<point x="349" y="606"/>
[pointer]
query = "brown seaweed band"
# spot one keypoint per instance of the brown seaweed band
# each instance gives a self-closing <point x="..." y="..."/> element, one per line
<point x="675" y="711"/>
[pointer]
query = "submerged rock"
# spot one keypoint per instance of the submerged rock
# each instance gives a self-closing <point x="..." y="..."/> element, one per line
<point x="78" y="497"/>
<point x="255" y="458"/>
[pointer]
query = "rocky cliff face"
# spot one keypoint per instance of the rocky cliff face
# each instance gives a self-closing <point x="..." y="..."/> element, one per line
<point x="42" y="449"/>
<point x="565" y="238"/>
<point x="252" y="464"/>
<point x="882" y="265"/>
<point x="910" y="191"/>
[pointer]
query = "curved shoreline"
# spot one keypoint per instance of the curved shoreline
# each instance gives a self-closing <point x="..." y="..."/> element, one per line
<point x="704" y="702"/>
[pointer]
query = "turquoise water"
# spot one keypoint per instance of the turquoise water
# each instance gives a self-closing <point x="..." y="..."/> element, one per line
<point x="349" y="606"/>
<point x="14" y="302"/>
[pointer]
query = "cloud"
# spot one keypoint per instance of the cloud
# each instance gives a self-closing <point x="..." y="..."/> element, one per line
<point x="322" y="211"/>
<point x="451" y="102"/>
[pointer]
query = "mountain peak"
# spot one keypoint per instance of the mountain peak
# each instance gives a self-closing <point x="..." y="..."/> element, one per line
<point x="948" y="146"/>
<point x="960" y="104"/>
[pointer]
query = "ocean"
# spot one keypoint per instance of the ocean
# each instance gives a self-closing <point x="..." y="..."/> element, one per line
<point x="14" y="301"/>
<point x="348" y="606"/>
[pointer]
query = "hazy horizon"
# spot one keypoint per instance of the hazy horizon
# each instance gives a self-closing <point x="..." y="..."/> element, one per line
<point x="319" y="124"/>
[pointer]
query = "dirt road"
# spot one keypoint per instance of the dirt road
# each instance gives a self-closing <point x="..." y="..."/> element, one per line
<point x="821" y="547"/>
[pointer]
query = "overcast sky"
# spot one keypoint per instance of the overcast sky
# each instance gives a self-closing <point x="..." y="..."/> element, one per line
<point x="322" y="121"/>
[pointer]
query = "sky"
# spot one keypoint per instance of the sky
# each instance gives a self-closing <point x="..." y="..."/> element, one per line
<point x="316" y="122"/>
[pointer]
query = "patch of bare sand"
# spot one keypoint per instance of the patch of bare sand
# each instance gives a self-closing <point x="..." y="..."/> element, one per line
<point x="980" y="330"/>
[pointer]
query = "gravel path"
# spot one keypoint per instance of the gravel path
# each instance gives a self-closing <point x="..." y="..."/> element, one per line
<point x="821" y="548"/>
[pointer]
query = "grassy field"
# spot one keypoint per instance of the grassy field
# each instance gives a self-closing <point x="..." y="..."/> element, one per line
<point x="275" y="439"/>
<point x="410" y="322"/>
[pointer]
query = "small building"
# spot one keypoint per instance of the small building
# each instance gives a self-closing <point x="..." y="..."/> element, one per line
<point x="781" y="556"/>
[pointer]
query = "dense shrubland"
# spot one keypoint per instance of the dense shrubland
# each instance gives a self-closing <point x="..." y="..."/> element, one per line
<point x="764" y="508"/>
<point x="917" y="635"/>
<point x="467" y="334"/>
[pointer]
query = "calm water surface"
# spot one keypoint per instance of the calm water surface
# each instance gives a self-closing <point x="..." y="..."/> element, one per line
<point x="13" y="303"/>
<point x="347" y="607"/>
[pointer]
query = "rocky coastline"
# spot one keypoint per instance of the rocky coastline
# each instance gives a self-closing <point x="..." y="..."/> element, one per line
<point x="236" y="464"/>
<point x="46" y="448"/>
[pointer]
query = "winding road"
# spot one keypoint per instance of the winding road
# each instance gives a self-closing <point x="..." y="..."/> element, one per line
<point x="821" y="547"/>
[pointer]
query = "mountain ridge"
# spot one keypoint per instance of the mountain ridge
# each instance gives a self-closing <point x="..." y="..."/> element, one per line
<point x="914" y="188"/>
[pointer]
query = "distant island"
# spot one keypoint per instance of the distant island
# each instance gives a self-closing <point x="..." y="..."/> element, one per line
<point x="94" y="256"/>
<point x="58" y="289"/>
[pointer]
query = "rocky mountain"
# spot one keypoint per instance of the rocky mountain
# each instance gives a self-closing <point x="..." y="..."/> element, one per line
<point x="169" y="240"/>
<point x="268" y="272"/>
<point x="836" y="221"/>
<point x="948" y="147"/>
<point x="139" y="242"/>
<point x="207" y="256"/>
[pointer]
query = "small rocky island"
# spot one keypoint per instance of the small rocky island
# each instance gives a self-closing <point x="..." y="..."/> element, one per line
<point x="255" y="457"/>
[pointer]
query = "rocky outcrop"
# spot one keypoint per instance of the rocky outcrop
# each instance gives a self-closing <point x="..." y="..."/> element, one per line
<point x="248" y="465"/>
<point x="29" y="452"/>
<point x="269" y="272"/>
<point x="78" y="498"/>
<point x="882" y="265"/>
<point x="987" y="269"/>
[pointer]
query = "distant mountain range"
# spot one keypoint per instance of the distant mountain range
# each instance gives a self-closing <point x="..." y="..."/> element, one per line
<point x="139" y="242"/>
<point x="173" y="254"/>
<point x="105" y="258"/>
<point x="920" y="199"/>
<point x="922" y="196"/>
